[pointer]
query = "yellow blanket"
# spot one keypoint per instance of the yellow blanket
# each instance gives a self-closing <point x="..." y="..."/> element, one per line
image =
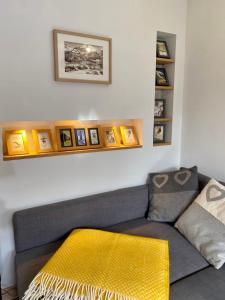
<point x="94" y="264"/>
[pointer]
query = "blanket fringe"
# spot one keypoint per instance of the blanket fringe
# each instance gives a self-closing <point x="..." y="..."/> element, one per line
<point x="49" y="287"/>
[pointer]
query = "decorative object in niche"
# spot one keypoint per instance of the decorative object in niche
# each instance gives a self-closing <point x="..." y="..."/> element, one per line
<point x="16" y="142"/>
<point x="43" y="140"/>
<point x="162" y="49"/>
<point x="129" y="136"/>
<point x="159" y="133"/>
<point x="82" y="57"/>
<point x="94" y="137"/>
<point x="161" y="77"/>
<point x="160" y="108"/>
<point x="80" y="137"/>
<point x="65" y="140"/>
<point x="110" y="136"/>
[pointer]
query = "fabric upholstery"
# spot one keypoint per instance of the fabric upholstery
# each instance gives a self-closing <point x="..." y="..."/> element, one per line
<point x="45" y="224"/>
<point x="208" y="284"/>
<point x="203" y="223"/>
<point x="170" y="193"/>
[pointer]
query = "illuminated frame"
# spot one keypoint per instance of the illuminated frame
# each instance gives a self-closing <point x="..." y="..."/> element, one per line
<point x="21" y="141"/>
<point x="125" y="139"/>
<point x="59" y="141"/>
<point x="38" y="147"/>
<point x="115" y="133"/>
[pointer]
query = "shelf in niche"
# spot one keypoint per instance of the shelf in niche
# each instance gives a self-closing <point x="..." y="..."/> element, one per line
<point x="163" y="120"/>
<point x="58" y="153"/>
<point x="164" y="61"/>
<point x="162" y="144"/>
<point x="164" y="88"/>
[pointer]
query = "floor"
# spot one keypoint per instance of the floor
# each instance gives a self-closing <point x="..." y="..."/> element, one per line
<point x="9" y="294"/>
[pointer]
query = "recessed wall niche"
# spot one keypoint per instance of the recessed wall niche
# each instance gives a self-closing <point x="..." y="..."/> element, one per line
<point x="33" y="139"/>
<point x="163" y="129"/>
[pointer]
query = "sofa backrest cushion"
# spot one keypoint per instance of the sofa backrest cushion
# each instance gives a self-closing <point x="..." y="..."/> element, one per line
<point x="203" y="181"/>
<point x="44" y="224"/>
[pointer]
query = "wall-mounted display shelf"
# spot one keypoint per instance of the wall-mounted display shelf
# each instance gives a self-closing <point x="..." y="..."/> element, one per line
<point x="164" y="89"/>
<point x="23" y="140"/>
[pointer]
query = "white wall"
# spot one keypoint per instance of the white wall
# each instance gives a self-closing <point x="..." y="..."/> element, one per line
<point x="28" y="92"/>
<point x="204" y="108"/>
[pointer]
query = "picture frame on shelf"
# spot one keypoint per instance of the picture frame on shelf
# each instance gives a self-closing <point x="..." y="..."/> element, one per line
<point x="81" y="137"/>
<point x="16" y="142"/>
<point x="161" y="78"/>
<point x="162" y="50"/>
<point x="94" y="137"/>
<point x="159" y="133"/>
<point x="110" y="136"/>
<point x="160" y="108"/>
<point x="129" y="136"/>
<point x="65" y="138"/>
<point x="82" y="57"/>
<point x="43" y="140"/>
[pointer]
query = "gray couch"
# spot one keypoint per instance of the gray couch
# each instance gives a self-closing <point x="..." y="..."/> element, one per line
<point x="40" y="231"/>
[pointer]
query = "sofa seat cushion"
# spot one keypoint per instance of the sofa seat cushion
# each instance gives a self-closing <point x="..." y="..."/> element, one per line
<point x="29" y="263"/>
<point x="208" y="284"/>
<point x="184" y="258"/>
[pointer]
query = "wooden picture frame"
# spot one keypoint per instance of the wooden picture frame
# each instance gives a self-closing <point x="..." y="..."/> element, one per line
<point x="43" y="140"/>
<point x="82" y="57"/>
<point x="161" y="78"/>
<point x="94" y="137"/>
<point x="81" y="137"/>
<point x="16" y="142"/>
<point x="159" y="133"/>
<point x="65" y="138"/>
<point x="162" y="50"/>
<point x="129" y="136"/>
<point x="160" y="108"/>
<point x="110" y="136"/>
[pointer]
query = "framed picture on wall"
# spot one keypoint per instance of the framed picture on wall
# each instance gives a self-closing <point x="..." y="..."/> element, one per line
<point x="82" y="57"/>
<point x="129" y="136"/>
<point x="162" y="49"/>
<point x="161" y="77"/>
<point x="159" y="109"/>
<point x="110" y="136"/>
<point x="159" y="133"/>
<point x="80" y="137"/>
<point x="16" y="142"/>
<point x="43" y="140"/>
<point x="65" y="138"/>
<point x="94" y="137"/>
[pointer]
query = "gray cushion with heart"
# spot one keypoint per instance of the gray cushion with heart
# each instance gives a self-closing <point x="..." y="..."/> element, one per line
<point x="203" y="223"/>
<point x="170" y="193"/>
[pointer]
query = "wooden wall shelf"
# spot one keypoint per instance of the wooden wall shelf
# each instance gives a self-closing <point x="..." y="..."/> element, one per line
<point x="164" y="61"/>
<point x="163" y="120"/>
<point x="58" y="153"/>
<point x="165" y="88"/>
<point x="161" y="144"/>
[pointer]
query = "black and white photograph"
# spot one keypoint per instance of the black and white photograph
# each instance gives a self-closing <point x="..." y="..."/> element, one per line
<point x="93" y="136"/>
<point x="80" y="137"/>
<point x="159" y="133"/>
<point x="159" y="110"/>
<point x="81" y="57"/>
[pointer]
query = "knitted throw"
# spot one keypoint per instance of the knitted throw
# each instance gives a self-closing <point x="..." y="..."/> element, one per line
<point x="94" y="264"/>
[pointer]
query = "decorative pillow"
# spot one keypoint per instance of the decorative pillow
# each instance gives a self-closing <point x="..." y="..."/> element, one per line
<point x="171" y="193"/>
<point x="203" y="223"/>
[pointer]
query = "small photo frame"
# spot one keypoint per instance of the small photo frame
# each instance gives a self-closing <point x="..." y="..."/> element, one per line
<point x="129" y="136"/>
<point x="16" y="142"/>
<point x="162" y="49"/>
<point x="159" y="133"/>
<point x="82" y="57"/>
<point x="65" y="138"/>
<point x="94" y="137"/>
<point x="161" y="77"/>
<point x="43" y="140"/>
<point x="160" y="108"/>
<point x="110" y="136"/>
<point x="80" y="137"/>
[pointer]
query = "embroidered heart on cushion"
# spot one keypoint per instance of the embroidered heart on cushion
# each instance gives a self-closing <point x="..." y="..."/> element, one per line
<point x="182" y="177"/>
<point x="214" y="193"/>
<point x="160" y="180"/>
